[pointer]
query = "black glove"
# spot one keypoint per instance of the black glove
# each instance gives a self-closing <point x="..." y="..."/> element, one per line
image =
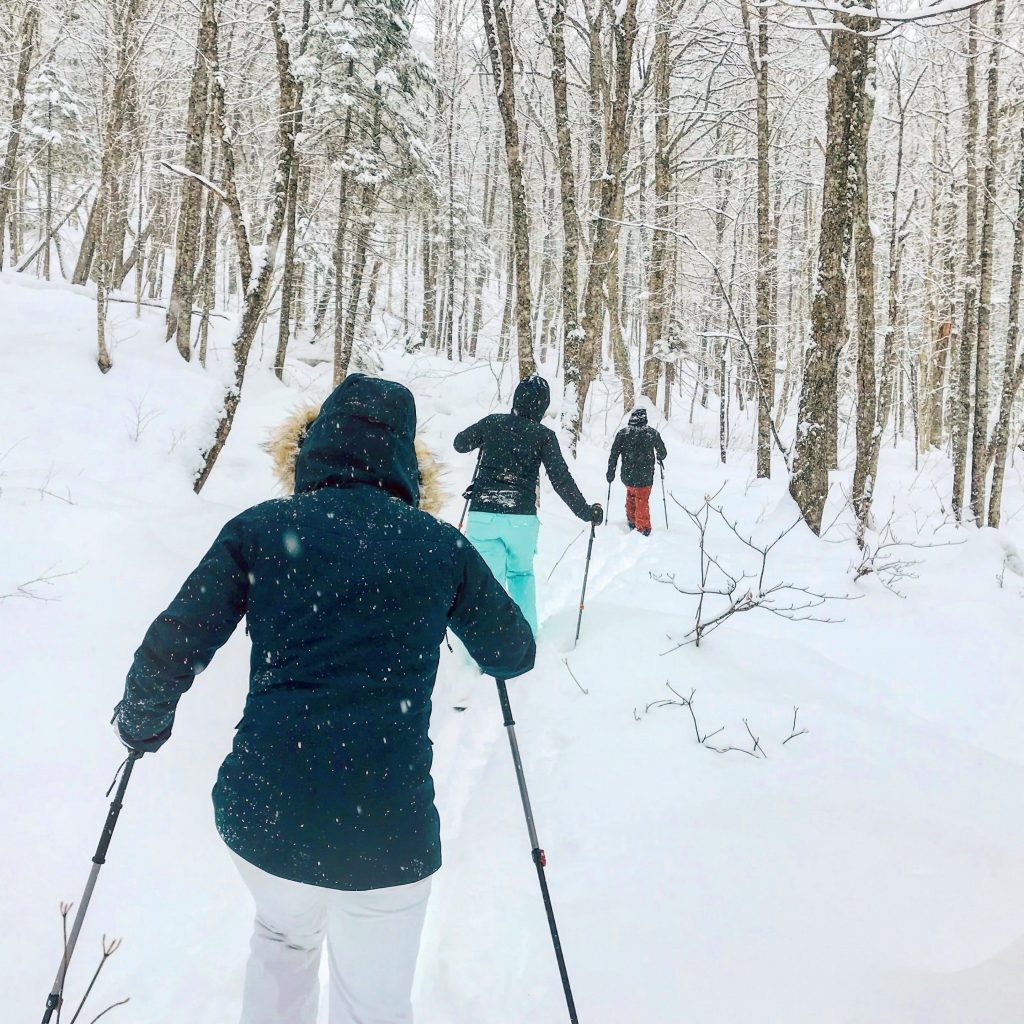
<point x="139" y="747"/>
<point x="596" y="514"/>
<point x="610" y="476"/>
<point x="468" y="492"/>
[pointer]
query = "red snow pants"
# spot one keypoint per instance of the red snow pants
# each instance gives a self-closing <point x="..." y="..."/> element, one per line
<point x="638" y="509"/>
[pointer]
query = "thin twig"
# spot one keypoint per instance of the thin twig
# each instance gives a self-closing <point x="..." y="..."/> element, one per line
<point x="583" y="689"/>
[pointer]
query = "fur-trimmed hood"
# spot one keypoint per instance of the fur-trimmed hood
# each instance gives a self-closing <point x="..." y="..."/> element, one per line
<point x="361" y="431"/>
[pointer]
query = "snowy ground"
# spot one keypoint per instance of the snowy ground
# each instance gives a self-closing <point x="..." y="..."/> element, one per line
<point x="866" y="871"/>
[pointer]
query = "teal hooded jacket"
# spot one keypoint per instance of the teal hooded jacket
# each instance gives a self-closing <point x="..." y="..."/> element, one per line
<point x="347" y="589"/>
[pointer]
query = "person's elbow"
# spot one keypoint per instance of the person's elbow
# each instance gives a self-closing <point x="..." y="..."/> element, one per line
<point x="462" y="444"/>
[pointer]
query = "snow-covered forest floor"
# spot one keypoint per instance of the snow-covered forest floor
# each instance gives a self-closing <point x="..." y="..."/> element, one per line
<point x="867" y="870"/>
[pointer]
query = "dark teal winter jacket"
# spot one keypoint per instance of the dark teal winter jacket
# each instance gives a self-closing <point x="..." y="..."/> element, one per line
<point x="347" y="589"/>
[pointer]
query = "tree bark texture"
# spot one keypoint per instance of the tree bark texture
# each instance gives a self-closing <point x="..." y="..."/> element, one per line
<point x="499" y="44"/>
<point x="26" y="44"/>
<point x="852" y="58"/>
<point x="186" y="246"/>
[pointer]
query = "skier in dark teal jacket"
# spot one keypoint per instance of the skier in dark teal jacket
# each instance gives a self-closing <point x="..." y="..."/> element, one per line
<point x="503" y="523"/>
<point x="347" y="589"/>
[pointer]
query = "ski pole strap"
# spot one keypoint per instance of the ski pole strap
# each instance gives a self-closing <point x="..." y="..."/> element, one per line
<point x="540" y="858"/>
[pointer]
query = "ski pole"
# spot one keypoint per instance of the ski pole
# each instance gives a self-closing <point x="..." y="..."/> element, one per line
<point x="608" y="514"/>
<point x="53" y="1001"/>
<point x="468" y="494"/>
<point x="583" y="595"/>
<point x="539" y="858"/>
<point x="663" y="501"/>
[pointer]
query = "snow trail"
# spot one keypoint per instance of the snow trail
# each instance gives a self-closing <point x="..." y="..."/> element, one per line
<point x="867" y="871"/>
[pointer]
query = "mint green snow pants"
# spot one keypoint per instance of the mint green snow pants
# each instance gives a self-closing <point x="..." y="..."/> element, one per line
<point x="507" y="544"/>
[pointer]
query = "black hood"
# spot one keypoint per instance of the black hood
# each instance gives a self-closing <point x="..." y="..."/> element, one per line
<point x="532" y="398"/>
<point x="364" y="434"/>
<point x="638" y="418"/>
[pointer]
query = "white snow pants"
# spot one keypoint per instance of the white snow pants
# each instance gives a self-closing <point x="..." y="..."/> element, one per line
<point x="373" y="939"/>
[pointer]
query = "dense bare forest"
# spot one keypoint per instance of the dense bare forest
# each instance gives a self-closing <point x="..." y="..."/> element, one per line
<point x="801" y="221"/>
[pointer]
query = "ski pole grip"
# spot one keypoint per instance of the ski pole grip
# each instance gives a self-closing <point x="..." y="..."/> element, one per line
<point x="506" y="707"/>
<point x="100" y="856"/>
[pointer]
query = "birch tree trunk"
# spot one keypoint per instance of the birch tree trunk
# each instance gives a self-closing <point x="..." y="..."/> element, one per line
<point x="979" y="458"/>
<point x="8" y="176"/>
<point x="581" y="355"/>
<point x="658" y="299"/>
<point x="186" y="249"/>
<point x="962" y="395"/>
<point x="566" y="179"/>
<point x="1013" y="370"/>
<point x="764" y="354"/>
<point x="499" y="45"/>
<point x="112" y="162"/>
<point x="867" y="382"/>
<point x="288" y="284"/>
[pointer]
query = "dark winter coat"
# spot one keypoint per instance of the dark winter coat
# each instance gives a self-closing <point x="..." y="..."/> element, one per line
<point x="513" y="448"/>
<point x="348" y="590"/>
<point x="638" y="445"/>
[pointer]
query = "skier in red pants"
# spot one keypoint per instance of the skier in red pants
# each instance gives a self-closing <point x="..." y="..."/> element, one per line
<point x="639" y="445"/>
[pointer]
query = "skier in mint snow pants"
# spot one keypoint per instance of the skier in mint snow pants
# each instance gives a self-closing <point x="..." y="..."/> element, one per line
<point x="326" y="799"/>
<point x="503" y="524"/>
<point x="638" y="445"/>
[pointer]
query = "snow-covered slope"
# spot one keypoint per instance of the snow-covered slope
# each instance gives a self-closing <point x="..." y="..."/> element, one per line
<point x="867" y="870"/>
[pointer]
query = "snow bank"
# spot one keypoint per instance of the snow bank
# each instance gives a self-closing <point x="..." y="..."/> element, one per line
<point x="866" y="870"/>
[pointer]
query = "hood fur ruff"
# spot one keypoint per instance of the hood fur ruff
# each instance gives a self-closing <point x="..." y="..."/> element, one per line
<point x="283" y="447"/>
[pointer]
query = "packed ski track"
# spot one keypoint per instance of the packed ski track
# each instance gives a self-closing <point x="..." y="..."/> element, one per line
<point x="866" y="870"/>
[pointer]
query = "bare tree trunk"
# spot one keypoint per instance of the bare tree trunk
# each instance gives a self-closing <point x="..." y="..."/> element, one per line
<point x="342" y="356"/>
<point x="429" y="332"/>
<point x="980" y="461"/>
<point x="571" y="234"/>
<point x="764" y="353"/>
<point x="873" y="415"/>
<point x="852" y="57"/>
<point x="658" y="298"/>
<point x="8" y="177"/>
<point x="1013" y="370"/>
<point x="962" y="398"/>
<point x="186" y="251"/>
<point x="867" y="382"/>
<point x="111" y="165"/>
<point x="288" y="286"/>
<point x="580" y="356"/>
<point x="499" y="45"/>
<point x="225" y="139"/>
<point x="620" y="351"/>
<point x="255" y="300"/>
<point x="208" y="268"/>
<point x="367" y="204"/>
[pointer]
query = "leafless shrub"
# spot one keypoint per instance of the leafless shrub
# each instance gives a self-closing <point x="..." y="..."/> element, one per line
<point x="742" y="591"/>
<point x="755" y="750"/>
<point x="141" y="418"/>
<point x="583" y="689"/>
<point x="32" y="589"/>
<point x="109" y="947"/>
<point x="884" y="555"/>
<point x="46" y="490"/>
<point x="794" y="732"/>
